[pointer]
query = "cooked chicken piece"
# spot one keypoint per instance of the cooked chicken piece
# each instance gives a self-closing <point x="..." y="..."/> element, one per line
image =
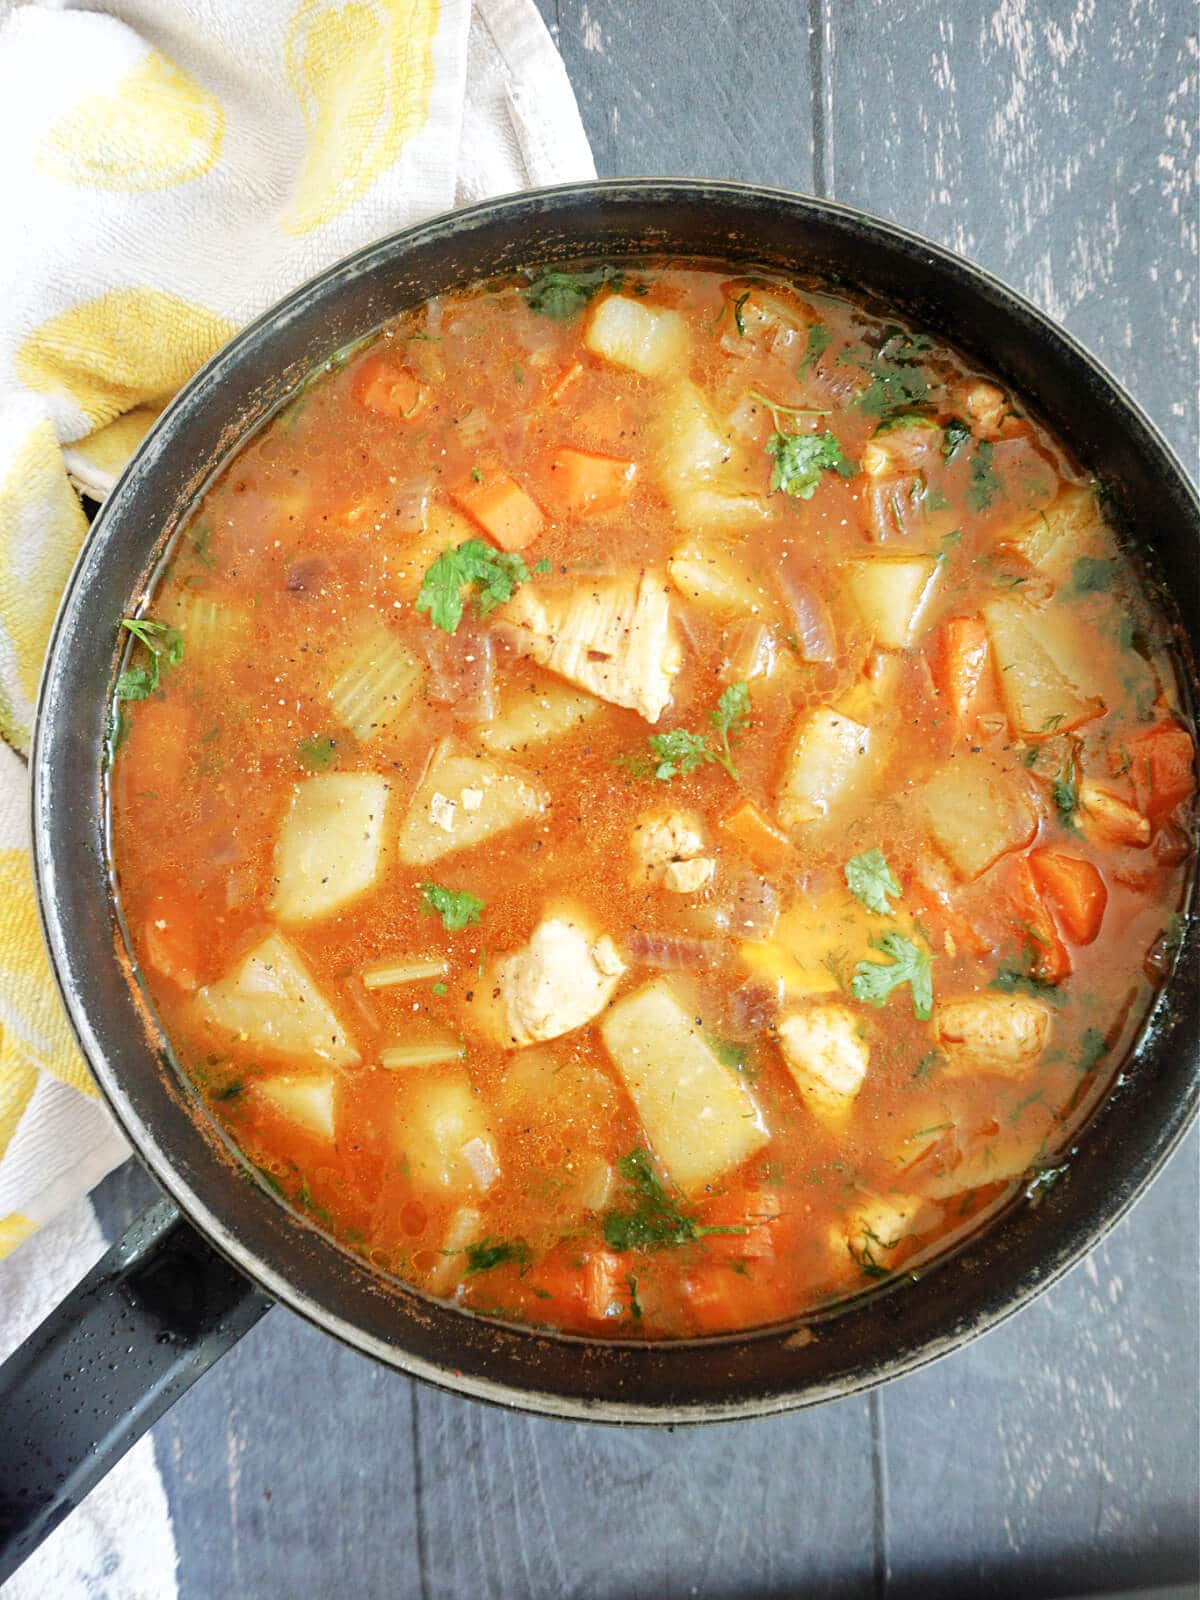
<point x="559" y="981"/>
<point x="668" y="849"/>
<point x="827" y="1056"/>
<point x="611" y="636"/>
<point x="992" y="1033"/>
<point x="875" y="1225"/>
<point x="903" y="449"/>
<point x="1105" y="816"/>
<point x="986" y="407"/>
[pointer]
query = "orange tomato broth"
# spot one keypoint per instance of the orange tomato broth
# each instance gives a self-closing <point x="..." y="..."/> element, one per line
<point x="335" y="511"/>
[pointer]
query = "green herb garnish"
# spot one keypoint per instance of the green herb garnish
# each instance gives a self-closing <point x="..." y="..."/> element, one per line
<point x="871" y="880"/>
<point x="729" y="719"/>
<point x="317" y="754"/>
<point x="489" y="1253"/>
<point x="1093" y="1047"/>
<point x="737" y="312"/>
<point x="559" y="295"/>
<point x="494" y="573"/>
<point x="956" y="432"/>
<point x="1091" y="574"/>
<point x="986" y="482"/>
<point x="458" y="908"/>
<point x="652" y="1221"/>
<point x="818" y="342"/>
<point x="873" y="981"/>
<point x="162" y="641"/>
<point x="680" y="751"/>
<point x="801" y="459"/>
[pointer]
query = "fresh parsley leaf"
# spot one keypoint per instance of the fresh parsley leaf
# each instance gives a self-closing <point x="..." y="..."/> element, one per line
<point x="729" y="1053"/>
<point x="1093" y="1047"/>
<point x="559" y="295"/>
<point x="873" y="982"/>
<point x="652" y="1220"/>
<point x="801" y="458"/>
<point x="871" y="880"/>
<point x="458" y="908"/>
<point x="489" y="1253"/>
<point x="956" y="432"/>
<point x="317" y="754"/>
<point x="729" y="719"/>
<point x="679" y="751"/>
<point x="163" y="642"/>
<point x="539" y="567"/>
<point x="818" y="342"/>
<point x="1091" y="574"/>
<point x="896" y="383"/>
<point x="494" y="573"/>
<point x="986" y="483"/>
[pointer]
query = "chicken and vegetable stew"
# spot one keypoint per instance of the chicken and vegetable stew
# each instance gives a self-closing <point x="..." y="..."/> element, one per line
<point x="650" y="800"/>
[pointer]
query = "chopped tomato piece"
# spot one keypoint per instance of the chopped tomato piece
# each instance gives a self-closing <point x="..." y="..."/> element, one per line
<point x="171" y="939"/>
<point x="382" y="386"/>
<point x="500" y="506"/>
<point x="1075" y="891"/>
<point x="958" y="660"/>
<point x="767" y="846"/>
<point x="1162" y="769"/>
<point x="753" y="1211"/>
<point x="1030" y="917"/>
<point x="588" y="484"/>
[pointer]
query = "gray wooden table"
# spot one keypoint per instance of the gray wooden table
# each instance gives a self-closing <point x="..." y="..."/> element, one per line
<point x="1053" y="142"/>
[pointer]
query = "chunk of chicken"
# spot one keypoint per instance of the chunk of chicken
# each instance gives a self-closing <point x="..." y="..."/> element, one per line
<point x="875" y="1225"/>
<point x="985" y="405"/>
<point x="992" y="1033"/>
<point x="561" y="979"/>
<point x="668" y="848"/>
<point x="611" y="636"/>
<point x="1105" y="816"/>
<point x="827" y="1056"/>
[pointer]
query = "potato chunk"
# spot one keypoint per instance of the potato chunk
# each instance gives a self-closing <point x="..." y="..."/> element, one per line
<point x="1003" y="1033"/>
<point x="706" y="573"/>
<point x="461" y="801"/>
<point x="442" y="1133"/>
<point x="270" y="1000"/>
<point x="561" y="979"/>
<point x="977" y="811"/>
<point x="828" y="759"/>
<point x="535" y="716"/>
<point x="331" y="844"/>
<point x="699" y="1117"/>
<point x="704" y="482"/>
<point x="890" y="593"/>
<point x="611" y="636"/>
<point x="1055" y="538"/>
<point x="307" y="1101"/>
<point x="827" y="1056"/>
<point x="1038" y="696"/>
<point x="649" y="340"/>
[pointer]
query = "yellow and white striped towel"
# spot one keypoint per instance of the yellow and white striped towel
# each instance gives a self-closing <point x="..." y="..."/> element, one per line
<point x="170" y="168"/>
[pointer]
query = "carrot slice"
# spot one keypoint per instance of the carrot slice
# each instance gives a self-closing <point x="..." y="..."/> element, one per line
<point x="1162" y="769"/>
<point x="382" y="386"/>
<point x="171" y="939"/>
<point x="763" y="842"/>
<point x="588" y="484"/>
<point x="754" y="1211"/>
<point x="958" y="660"/>
<point x="1075" y="891"/>
<point x="500" y="506"/>
<point x="1029" y="915"/>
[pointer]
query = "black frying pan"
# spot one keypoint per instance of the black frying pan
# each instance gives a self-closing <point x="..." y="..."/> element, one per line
<point x="194" y="1274"/>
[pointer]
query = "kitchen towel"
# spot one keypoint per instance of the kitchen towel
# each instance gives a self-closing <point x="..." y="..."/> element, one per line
<point x="172" y="167"/>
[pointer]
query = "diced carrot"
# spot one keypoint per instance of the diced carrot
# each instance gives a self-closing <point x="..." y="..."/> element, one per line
<point x="756" y="1212"/>
<point x="382" y="386"/>
<point x="588" y="484"/>
<point x="1075" y="891"/>
<point x="723" y="1298"/>
<point x="601" y="1283"/>
<point x="171" y="938"/>
<point x="958" y="660"/>
<point x="1162" y="769"/>
<point x="766" y="845"/>
<point x="502" y="509"/>
<point x="1030" y="917"/>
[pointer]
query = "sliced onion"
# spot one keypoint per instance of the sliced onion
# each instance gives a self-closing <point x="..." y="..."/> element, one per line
<point x="462" y="671"/>
<point x="811" y="623"/>
<point x="670" y="952"/>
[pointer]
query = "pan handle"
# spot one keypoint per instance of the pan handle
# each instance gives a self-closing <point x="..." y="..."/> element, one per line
<point x="148" y="1320"/>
